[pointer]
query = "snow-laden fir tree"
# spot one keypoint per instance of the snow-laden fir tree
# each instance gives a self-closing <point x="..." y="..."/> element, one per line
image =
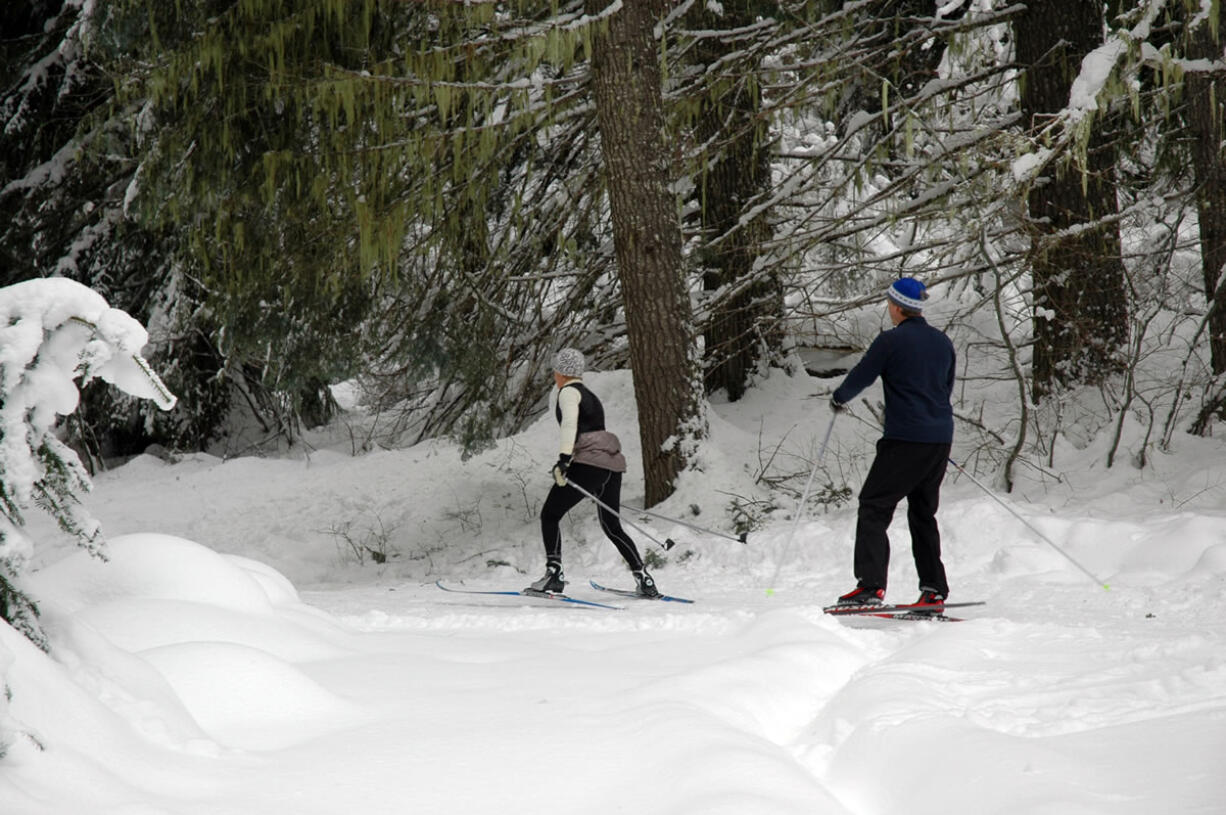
<point x="55" y="336"/>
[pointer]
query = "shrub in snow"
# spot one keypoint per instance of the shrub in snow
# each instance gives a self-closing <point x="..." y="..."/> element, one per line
<point x="55" y="335"/>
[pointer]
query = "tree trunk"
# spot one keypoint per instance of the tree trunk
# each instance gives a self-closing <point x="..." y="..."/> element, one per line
<point x="745" y="320"/>
<point x="1081" y="316"/>
<point x="626" y="82"/>
<point x="1205" y="114"/>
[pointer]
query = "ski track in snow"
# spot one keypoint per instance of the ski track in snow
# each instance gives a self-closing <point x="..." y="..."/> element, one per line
<point x="376" y="698"/>
<point x="806" y="689"/>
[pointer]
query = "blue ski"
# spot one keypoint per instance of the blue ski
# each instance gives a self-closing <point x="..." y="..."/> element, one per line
<point x="631" y="593"/>
<point x="560" y="598"/>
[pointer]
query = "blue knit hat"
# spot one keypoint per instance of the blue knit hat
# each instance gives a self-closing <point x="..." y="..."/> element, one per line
<point x="908" y="293"/>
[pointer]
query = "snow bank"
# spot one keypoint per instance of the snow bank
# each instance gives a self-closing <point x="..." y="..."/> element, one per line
<point x="218" y="635"/>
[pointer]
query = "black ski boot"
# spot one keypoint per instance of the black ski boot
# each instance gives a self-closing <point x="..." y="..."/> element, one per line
<point x="646" y="584"/>
<point x="554" y="582"/>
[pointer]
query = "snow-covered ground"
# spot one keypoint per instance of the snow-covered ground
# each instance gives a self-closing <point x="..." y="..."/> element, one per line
<point x="233" y="656"/>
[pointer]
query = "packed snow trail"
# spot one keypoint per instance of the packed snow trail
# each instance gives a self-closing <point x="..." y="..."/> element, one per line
<point x="191" y="682"/>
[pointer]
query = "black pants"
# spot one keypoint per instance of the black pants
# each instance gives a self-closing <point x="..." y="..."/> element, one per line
<point x="606" y="485"/>
<point x="902" y="469"/>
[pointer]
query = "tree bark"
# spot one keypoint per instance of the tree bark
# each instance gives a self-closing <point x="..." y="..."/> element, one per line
<point x="1081" y="317"/>
<point x="626" y="83"/>
<point x="1206" y="110"/>
<point x="744" y="321"/>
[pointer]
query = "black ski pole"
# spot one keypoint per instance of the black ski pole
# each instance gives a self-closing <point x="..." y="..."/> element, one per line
<point x="741" y="539"/>
<point x="1029" y="525"/>
<point x="669" y="543"/>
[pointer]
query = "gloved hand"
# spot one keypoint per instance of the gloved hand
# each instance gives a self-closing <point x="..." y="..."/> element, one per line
<point x="559" y="469"/>
<point x="837" y="406"/>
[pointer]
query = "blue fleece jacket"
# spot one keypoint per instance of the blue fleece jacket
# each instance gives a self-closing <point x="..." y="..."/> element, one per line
<point x="916" y="364"/>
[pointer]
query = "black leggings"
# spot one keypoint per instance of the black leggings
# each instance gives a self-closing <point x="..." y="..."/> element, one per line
<point x="606" y="485"/>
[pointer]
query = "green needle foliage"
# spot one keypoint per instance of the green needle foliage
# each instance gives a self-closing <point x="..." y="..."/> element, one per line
<point x="401" y="188"/>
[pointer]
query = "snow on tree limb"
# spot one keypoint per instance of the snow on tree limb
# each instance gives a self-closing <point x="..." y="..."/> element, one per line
<point x="107" y="345"/>
<point x="54" y="332"/>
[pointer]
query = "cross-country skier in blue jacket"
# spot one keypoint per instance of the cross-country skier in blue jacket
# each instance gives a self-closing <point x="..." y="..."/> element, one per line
<point x="916" y="365"/>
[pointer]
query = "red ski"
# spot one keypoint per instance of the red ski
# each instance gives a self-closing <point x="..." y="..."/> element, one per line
<point x="904" y="611"/>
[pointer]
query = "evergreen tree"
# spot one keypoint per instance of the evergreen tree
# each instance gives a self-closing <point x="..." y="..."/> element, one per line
<point x="69" y="157"/>
<point x="1205" y="100"/>
<point x="1081" y="317"/>
<point x="418" y="171"/>
<point x="236" y="169"/>
<point x="53" y="333"/>
<point x="743" y="310"/>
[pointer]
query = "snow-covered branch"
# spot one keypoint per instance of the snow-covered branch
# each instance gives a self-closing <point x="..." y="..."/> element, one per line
<point x="54" y="334"/>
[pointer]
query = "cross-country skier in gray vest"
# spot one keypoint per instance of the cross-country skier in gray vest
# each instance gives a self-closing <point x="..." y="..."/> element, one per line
<point x="916" y="364"/>
<point x="591" y="457"/>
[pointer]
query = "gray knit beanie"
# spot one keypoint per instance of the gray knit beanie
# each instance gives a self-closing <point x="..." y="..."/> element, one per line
<point x="569" y="362"/>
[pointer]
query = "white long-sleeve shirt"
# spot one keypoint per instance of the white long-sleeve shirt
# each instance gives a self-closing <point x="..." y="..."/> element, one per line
<point x="568" y="403"/>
